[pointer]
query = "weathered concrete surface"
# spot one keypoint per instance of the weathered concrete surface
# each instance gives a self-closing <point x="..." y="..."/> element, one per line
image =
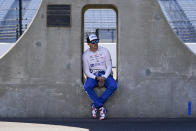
<point x="41" y="76"/>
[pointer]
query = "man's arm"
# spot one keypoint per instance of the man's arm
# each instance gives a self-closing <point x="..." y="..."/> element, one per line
<point x="108" y="64"/>
<point x="86" y="67"/>
<point x="101" y="80"/>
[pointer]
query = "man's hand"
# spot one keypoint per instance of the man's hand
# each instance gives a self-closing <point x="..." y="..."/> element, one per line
<point x="101" y="81"/>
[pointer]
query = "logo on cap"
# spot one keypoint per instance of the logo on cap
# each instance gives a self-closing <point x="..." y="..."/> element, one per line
<point x="93" y="37"/>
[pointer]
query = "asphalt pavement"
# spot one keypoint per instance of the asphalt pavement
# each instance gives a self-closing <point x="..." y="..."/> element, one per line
<point x="113" y="124"/>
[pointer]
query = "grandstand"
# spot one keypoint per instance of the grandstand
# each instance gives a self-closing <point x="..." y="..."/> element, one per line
<point x="5" y="5"/>
<point x="189" y="7"/>
<point x="9" y="18"/>
<point x="30" y="11"/>
<point x="181" y="14"/>
<point x="7" y="28"/>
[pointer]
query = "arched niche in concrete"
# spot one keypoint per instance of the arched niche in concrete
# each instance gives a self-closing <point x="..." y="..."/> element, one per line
<point x="41" y="75"/>
<point x="112" y="45"/>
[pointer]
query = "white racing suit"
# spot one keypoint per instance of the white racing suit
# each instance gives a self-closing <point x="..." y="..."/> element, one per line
<point x="98" y="64"/>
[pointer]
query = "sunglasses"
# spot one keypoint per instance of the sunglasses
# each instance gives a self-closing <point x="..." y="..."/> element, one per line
<point x="94" y="41"/>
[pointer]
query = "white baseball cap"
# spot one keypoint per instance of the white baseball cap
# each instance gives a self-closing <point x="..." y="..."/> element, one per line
<point x="92" y="37"/>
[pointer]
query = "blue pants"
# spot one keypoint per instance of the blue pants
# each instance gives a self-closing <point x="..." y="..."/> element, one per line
<point x="90" y="84"/>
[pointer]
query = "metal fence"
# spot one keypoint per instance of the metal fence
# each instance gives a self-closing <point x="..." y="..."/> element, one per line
<point x="102" y="22"/>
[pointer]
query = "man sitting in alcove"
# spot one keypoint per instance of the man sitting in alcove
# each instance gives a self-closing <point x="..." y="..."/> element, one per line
<point x="97" y="65"/>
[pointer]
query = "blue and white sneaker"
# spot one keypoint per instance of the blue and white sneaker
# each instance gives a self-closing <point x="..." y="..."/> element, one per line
<point x="94" y="111"/>
<point x="102" y="113"/>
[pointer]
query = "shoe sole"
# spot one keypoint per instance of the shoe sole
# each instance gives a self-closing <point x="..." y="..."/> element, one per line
<point x="102" y="118"/>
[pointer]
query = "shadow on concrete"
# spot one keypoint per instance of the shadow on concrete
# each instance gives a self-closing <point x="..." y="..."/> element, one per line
<point x="125" y="124"/>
